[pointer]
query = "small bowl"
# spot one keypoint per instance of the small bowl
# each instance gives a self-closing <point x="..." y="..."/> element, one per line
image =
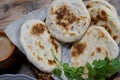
<point x="7" y="52"/>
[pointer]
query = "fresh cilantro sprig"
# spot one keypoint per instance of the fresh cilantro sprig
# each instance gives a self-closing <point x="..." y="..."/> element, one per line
<point x="103" y="68"/>
<point x="70" y="72"/>
<point x="99" y="70"/>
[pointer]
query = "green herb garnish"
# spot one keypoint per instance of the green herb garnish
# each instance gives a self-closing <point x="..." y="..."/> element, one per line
<point x="103" y="68"/>
<point x="70" y="72"/>
<point x="57" y="72"/>
<point x="99" y="70"/>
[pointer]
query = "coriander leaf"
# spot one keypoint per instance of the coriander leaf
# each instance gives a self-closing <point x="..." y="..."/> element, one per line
<point x="116" y="64"/>
<point x="90" y="78"/>
<point x="80" y="70"/>
<point x="99" y="63"/>
<point x="107" y="60"/>
<point x="91" y="71"/>
<point x="103" y="68"/>
<point x="65" y="65"/>
<point x="72" y="73"/>
<point x="101" y="78"/>
<point x="57" y="72"/>
<point x="115" y="61"/>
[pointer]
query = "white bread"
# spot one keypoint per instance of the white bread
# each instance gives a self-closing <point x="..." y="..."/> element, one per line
<point x="94" y="3"/>
<point x="102" y="16"/>
<point x="67" y="20"/>
<point x="96" y="44"/>
<point x="37" y="44"/>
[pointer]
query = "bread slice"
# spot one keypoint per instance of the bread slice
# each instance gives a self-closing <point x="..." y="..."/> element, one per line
<point x="94" y="3"/>
<point x="102" y="16"/>
<point x="96" y="44"/>
<point x="67" y="20"/>
<point x="37" y="44"/>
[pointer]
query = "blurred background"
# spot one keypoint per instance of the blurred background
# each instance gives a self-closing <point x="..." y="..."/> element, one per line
<point x="11" y="10"/>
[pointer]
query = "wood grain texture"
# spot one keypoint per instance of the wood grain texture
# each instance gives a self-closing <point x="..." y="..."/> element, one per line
<point x="11" y="10"/>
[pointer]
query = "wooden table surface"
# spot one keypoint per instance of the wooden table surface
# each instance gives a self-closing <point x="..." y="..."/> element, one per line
<point x="10" y="10"/>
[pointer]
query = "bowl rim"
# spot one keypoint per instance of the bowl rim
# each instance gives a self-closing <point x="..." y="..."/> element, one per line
<point x="2" y="33"/>
<point x="16" y="75"/>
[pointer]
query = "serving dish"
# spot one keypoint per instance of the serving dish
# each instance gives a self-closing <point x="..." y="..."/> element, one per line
<point x="15" y="33"/>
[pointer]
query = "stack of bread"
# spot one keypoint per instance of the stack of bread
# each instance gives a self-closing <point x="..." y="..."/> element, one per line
<point x="92" y="26"/>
